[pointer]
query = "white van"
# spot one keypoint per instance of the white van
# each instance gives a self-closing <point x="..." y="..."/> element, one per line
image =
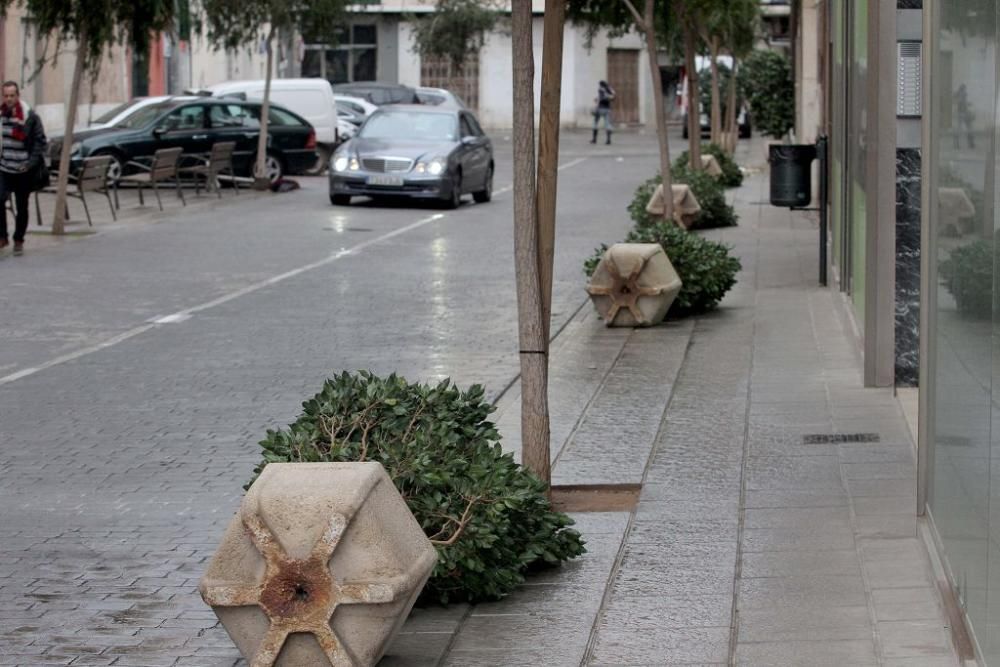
<point x="310" y="98"/>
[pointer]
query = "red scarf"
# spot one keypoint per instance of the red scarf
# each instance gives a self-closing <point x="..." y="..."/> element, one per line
<point x="17" y="132"/>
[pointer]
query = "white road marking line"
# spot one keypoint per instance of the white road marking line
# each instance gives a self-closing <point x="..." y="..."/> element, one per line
<point x="185" y="314"/>
<point x="572" y="163"/>
<point x="182" y="315"/>
<point x="176" y="318"/>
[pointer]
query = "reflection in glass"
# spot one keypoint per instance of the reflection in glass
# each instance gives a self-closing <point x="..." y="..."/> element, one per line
<point x="963" y="330"/>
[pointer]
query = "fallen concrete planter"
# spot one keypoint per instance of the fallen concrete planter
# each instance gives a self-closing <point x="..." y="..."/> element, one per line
<point x="320" y="566"/>
<point x="686" y="206"/>
<point x="634" y="285"/>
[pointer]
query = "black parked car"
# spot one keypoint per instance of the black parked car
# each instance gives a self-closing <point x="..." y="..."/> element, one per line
<point x="378" y="93"/>
<point x="195" y="125"/>
<point x="415" y="151"/>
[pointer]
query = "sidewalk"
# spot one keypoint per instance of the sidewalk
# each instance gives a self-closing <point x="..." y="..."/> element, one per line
<point x="131" y="213"/>
<point x="754" y="542"/>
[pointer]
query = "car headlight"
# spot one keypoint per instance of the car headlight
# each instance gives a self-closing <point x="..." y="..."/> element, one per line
<point x="340" y="163"/>
<point x="434" y="167"/>
<point x="354" y="166"/>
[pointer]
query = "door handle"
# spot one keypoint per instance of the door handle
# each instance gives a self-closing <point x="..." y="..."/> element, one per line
<point x="199" y="137"/>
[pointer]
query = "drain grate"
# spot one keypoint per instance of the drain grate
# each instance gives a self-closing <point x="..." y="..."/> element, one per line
<point x="837" y="438"/>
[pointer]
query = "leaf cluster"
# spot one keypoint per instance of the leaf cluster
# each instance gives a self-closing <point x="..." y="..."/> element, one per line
<point x="455" y="30"/>
<point x="231" y="24"/>
<point x="968" y="276"/>
<point x="489" y="518"/>
<point x="96" y="25"/>
<point x="765" y="80"/>
<point x="731" y="176"/>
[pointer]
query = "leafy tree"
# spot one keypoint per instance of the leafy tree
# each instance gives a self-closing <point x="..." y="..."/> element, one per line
<point x="618" y="17"/>
<point x="93" y="26"/>
<point x="455" y="30"/>
<point x="231" y="24"/>
<point x="766" y="81"/>
<point x="727" y="26"/>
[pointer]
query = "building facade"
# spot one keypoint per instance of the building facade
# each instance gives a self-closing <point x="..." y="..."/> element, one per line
<point x="909" y="94"/>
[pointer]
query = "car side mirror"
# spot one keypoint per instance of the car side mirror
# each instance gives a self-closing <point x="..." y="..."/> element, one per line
<point x="470" y="140"/>
<point x="159" y="131"/>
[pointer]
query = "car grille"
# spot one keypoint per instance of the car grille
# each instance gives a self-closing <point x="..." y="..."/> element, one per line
<point x="385" y="165"/>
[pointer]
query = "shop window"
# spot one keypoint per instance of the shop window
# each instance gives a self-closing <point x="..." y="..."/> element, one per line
<point x="353" y="58"/>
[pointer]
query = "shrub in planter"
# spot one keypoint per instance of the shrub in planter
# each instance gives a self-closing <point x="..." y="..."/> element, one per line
<point x="489" y="518"/>
<point x="968" y="275"/>
<point x="715" y="212"/>
<point x="731" y="176"/>
<point x="706" y="268"/>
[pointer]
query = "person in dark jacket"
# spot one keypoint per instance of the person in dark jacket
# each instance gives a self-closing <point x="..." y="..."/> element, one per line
<point x="605" y="94"/>
<point x="22" y="158"/>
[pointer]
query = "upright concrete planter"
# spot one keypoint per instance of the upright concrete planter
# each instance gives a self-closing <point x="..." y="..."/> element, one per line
<point x="711" y="166"/>
<point x="320" y="566"/>
<point x="686" y="206"/>
<point x="634" y="285"/>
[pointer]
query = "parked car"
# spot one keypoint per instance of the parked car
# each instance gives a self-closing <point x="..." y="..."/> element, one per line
<point x="378" y="93"/>
<point x="416" y="151"/>
<point x="354" y="109"/>
<point x="742" y="122"/>
<point x="312" y="99"/>
<point x="703" y="64"/>
<point x="116" y="115"/>
<point x="195" y="125"/>
<point x="439" y="96"/>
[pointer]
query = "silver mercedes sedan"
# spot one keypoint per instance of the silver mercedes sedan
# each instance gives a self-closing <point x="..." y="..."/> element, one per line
<point x="415" y="151"/>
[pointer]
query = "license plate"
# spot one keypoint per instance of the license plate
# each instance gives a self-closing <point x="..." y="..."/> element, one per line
<point x="385" y="179"/>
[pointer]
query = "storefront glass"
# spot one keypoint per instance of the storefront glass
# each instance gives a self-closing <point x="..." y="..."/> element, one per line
<point x="964" y="434"/>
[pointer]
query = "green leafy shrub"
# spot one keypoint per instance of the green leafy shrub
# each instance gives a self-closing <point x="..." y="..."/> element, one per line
<point x="968" y="275"/>
<point x="706" y="268"/>
<point x="731" y="176"/>
<point x="489" y="518"/>
<point x="711" y="196"/>
<point x="765" y="80"/>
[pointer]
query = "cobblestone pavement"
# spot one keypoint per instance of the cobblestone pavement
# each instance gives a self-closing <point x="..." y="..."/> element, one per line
<point x="126" y="437"/>
<point x="122" y="465"/>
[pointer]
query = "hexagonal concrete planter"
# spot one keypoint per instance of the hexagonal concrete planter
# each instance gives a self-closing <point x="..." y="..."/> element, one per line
<point x="320" y="566"/>
<point x="634" y="285"/>
<point x="686" y="206"/>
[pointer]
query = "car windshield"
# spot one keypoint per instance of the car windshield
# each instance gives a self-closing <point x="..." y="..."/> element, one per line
<point x="110" y="115"/>
<point x="145" y="115"/>
<point x="416" y="125"/>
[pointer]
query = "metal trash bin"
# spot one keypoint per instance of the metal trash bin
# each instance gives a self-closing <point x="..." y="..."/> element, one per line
<point x="791" y="174"/>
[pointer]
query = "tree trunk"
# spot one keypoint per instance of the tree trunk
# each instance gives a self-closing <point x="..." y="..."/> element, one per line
<point x="548" y="151"/>
<point x="732" y="131"/>
<point x="694" y="96"/>
<point x="62" y="181"/>
<point x="716" y="126"/>
<point x="261" y="181"/>
<point x="531" y="332"/>
<point x="649" y="30"/>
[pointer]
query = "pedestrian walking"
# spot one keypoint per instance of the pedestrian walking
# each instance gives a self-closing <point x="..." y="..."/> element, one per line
<point x="22" y="161"/>
<point x="602" y="109"/>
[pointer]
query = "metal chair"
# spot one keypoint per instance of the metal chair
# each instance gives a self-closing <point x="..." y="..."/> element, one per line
<point x="92" y="177"/>
<point x="162" y="167"/>
<point x="211" y="166"/>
